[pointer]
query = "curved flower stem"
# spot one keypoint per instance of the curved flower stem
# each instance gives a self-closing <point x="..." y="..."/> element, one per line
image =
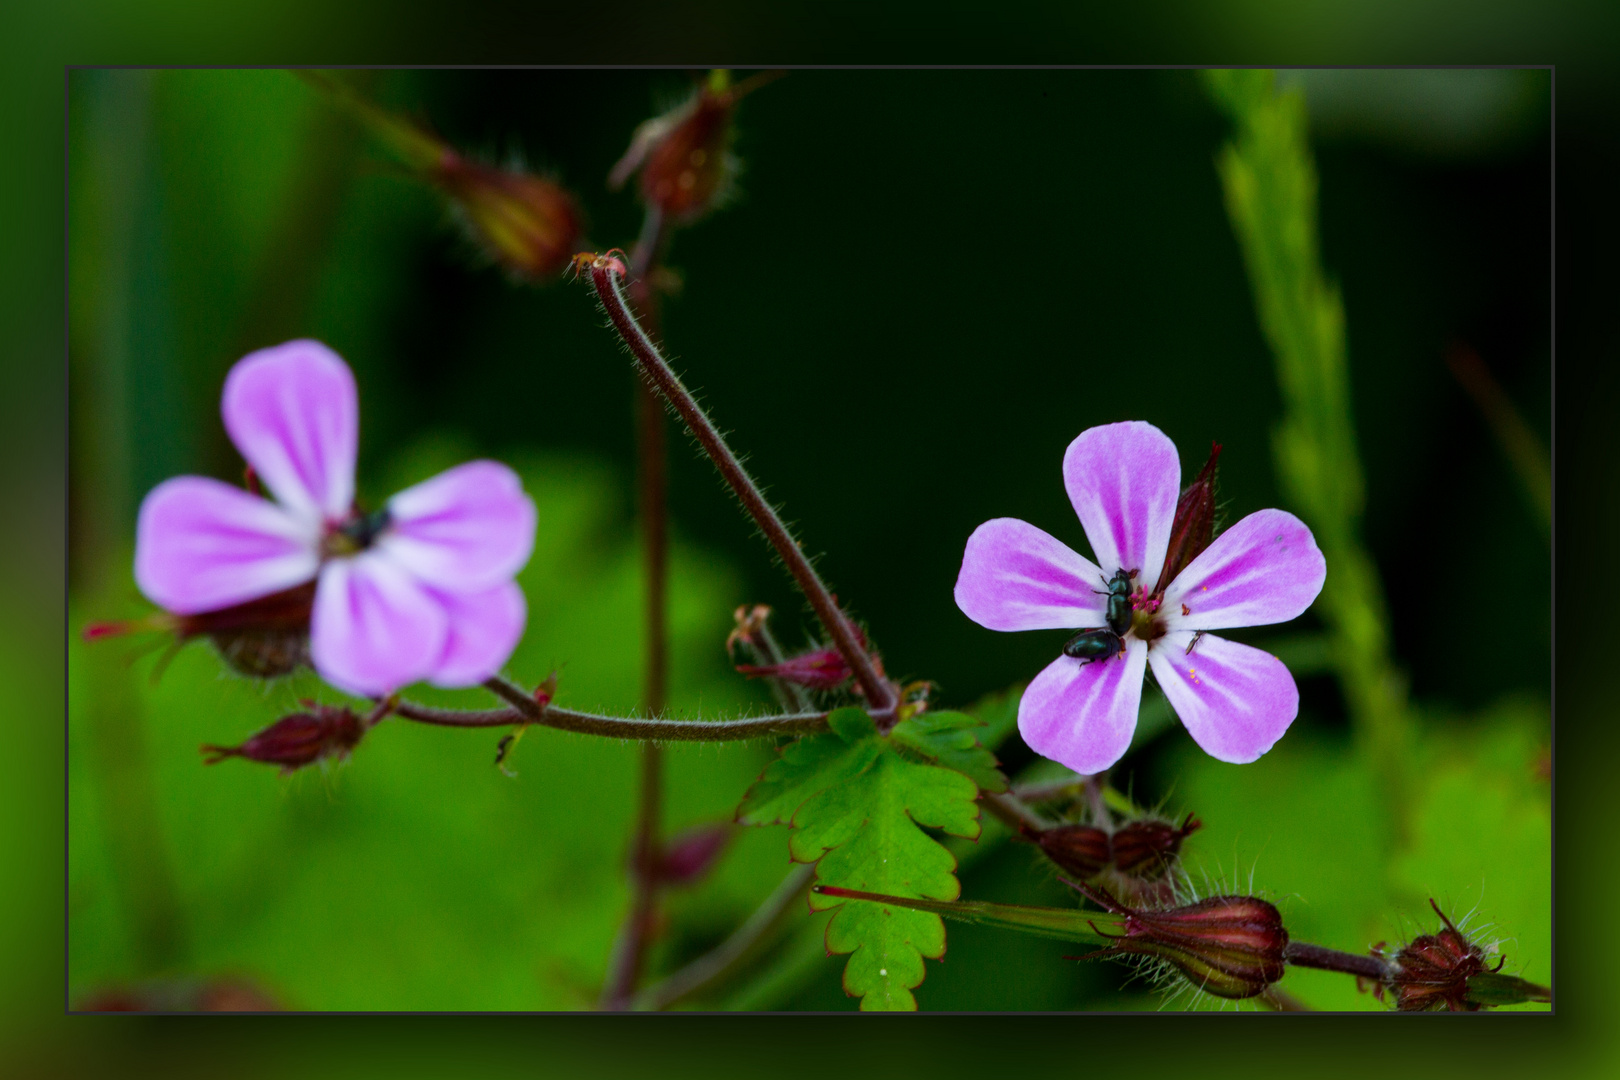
<point x="714" y="965"/>
<point x="879" y="694"/>
<point x="618" y="727"/>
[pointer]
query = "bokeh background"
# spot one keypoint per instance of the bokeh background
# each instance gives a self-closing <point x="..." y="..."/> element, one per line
<point x="928" y="283"/>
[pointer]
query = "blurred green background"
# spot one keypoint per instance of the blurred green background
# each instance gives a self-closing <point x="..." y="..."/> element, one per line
<point x="931" y="281"/>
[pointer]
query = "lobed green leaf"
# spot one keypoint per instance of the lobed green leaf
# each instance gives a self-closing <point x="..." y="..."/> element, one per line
<point x="858" y="806"/>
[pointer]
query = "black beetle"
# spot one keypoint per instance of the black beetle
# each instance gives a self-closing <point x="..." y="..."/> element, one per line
<point x="1089" y="645"/>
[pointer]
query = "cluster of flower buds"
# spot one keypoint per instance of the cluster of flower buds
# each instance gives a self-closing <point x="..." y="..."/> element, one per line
<point x="687" y="168"/>
<point x="1135" y="860"/>
<point x="1449" y="971"/>
<point x="1229" y="946"/>
<point x="324" y="731"/>
<point x="1194" y="525"/>
<point x="525" y="223"/>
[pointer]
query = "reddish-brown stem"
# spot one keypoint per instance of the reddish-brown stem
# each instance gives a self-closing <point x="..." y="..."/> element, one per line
<point x="1301" y="954"/>
<point x="652" y="496"/>
<point x="879" y="694"/>
<point x="619" y="727"/>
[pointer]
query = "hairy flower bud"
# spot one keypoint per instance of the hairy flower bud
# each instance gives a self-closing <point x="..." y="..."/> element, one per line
<point x="1434" y="971"/>
<point x="526" y="223"/>
<point x="1082" y="850"/>
<point x="1194" y="524"/>
<point x="1147" y="849"/>
<point x="820" y="669"/>
<point x="297" y="740"/>
<point x="685" y="159"/>
<point x="1230" y="946"/>
<point x="1134" y="860"/>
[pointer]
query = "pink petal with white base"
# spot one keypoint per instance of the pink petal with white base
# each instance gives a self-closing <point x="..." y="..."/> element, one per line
<point x="202" y="545"/>
<point x="465" y="530"/>
<point x="1235" y="701"/>
<point x="484" y="629"/>
<point x="374" y="628"/>
<point x="1083" y="714"/>
<point x="294" y="414"/>
<point x="1123" y="480"/>
<point x="1016" y="577"/>
<point x="1265" y="569"/>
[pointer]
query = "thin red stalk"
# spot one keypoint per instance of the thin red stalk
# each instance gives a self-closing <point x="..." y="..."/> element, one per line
<point x="652" y="491"/>
<point x="879" y="694"/>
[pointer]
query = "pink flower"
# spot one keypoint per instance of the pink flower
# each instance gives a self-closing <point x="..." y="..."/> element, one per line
<point x="1123" y="479"/>
<point x="421" y="589"/>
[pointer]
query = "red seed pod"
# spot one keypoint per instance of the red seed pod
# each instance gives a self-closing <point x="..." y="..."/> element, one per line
<point x="1082" y="850"/>
<point x="529" y="225"/>
<point x="1432" y="971"/>
<point x="297" y="740"/>
<point x="1149" y="848"/>
<point x="1194" y="524"/>
<point x="1230" y="946"/>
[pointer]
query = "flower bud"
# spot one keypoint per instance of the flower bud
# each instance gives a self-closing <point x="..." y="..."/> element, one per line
<point x="1148" y="849"/>
<point x="526" y="223"/>
<point x="820" y="669"/>
<point x="685" y="159"/>
<point x="297" y="740"/>
<point x="1194" y="524"/>
<point x="1082" y="850"/>
<point x="1433" y="971"/>
<point x="1135" y="860"/>
<point x="1230" y="946"/>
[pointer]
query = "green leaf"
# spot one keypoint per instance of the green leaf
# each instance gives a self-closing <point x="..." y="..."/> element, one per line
<point x="856" y="805"/>
<point x="948" y="739"/>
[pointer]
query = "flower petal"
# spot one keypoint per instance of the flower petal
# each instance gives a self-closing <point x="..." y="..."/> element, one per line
<point x="484" y="629"/>
<point x="1083" y="714"/>
<point x="1016" y="577"/>
<point x="1236" y="701"/>
<point x="466" y="530"/>
<point x="293" y="412"/>
<point x="374" y="628"/>
<point x="1123" y="480"/>
<point x="1265" y="569"/>
<point x="201" y="545"/>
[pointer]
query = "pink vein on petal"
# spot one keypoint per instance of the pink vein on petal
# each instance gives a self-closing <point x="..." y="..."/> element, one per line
<point x="1123" y="480"/>
<point x="1083" y="714"/>
<point x="1235" y="701"/>
<point x="1265" y="569"/>
<point x="1017" y="577"/>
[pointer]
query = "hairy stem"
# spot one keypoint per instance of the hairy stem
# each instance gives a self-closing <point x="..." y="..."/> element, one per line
<point x="1301" y="954"/>
<point x="879" y="694"/>
<point x="618" y="727"/>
